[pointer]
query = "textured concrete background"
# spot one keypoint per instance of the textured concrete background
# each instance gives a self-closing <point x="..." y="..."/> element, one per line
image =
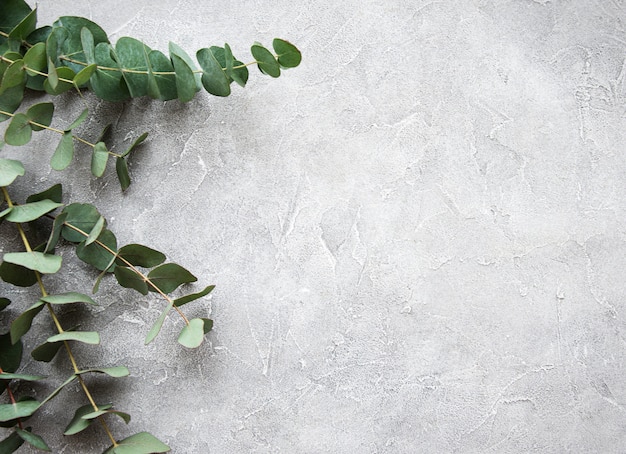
<point x="417" y="237"/>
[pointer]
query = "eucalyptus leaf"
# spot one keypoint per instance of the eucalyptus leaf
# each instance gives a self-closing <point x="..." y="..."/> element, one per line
<point x="139" y="255"/>
<point x="108" y="84"/>
<point x="13" y="12"/>
<point x="63" y="76"/>
<point x="17" y="275"/>
<point x="19" y="131"/>
<point x="213" y="78"/>
<point x="96" y="255"/>
<point x="81" y="216"/>
<point x="11" y="443"/>
<point x="55" y="234"/>
<point x="161" y="77"/>
<point x="54" y="193"/>
<point x="131" y="55"/>
<point x="67" y="298"/>
<point x="129" y="279"/>
<point x="137" y="142"/>
<point x="87" y="337"/>
<point x="121" y="168"/>
<point x="99" y="159"/>
<point x="23" y="377"/>
<point x="10" y="353"/>
<point x="36" y="261"/>
<point x="46" y="351"/>
<point x="33" y="439"/>
<point x="35" y="59"/>
<point x="193" y="296"/>
<point x="79" y="120"/>
<point x="64" y="152"/>
<point x="23" y="322"/>
<point x="192" y="334"/>
<point x="18" y="410"/>
<point x="10" y="169"/>
<point x="156" y="327"/>
<point x="115" y="372"/>
<point x="4" y="303"/>
<point x="288" y="55"/>
<point x="186" y="85"/>
<point x="26" y="26"/>
<point x="140" y="443"/>
<point x="96" y="231"/>
<point x="78" y="423"/>
<point x="40" y="114"/>
<point x="31" y="211"/>
<point x="265" y="60"/>
<point x="169" y="277"/>
<point x="83" y="76"/>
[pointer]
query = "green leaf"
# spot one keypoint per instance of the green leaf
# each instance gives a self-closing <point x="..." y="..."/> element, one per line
<point x="40" y="114"/>
<point x="137" y="141"/>
<point x="83" y="76"/>
<point x="87" y="337"/>
<point x="168" y="277"/>
<point x="265" y="60"/>
<point x="35" y="59"/>
<point x="99" y="159"/>
<point x="79" y="120"/>
<point x="64" y="152"/>
<point x="115" y="372"/>
<point x="53" y="76"/>
<point x="11" y="443"/>
<point x="288" y="55"/>
<point x="67" y="298"/>
<point x="141" y="443"/>
<point x="192" y="334"/>
<point x="36" y="261"/>
<point x="193" y="296"/>
<point x="54" y="193"/>
<point x="161" y="85"/>
<point x="10" y="353"/>
<point x="4" y="303"/>
<point x="25" y="27"/>
<point x="73" y="44"/>
<point x="238" y="72"/>
<point x="57" y="225"/>
<point x="208" y="324"/>
<point x="139" y="255"/>
<point x="46" y="352"/>
<point x="17" y="275"/>
<point x="108" y="85"/>
<point x="129" y="279"/>
<point x="14" y="76"/>
<point x="131" y="55"/>
<point x="121" y="168"/>
<point x="10" y="100"/>
<point x="19" y="131"/>
<point x="156" y="327"/>
<point x="175" y="49"/>
<point x="54" y="44"/>
<point x="96" y="231"/>
<point x="33" y="439"/>
<point x="213" y="78"/>
<point x="18" y="410"/>
<point x="186" y="85"/>
<point x="22" y="324"/>
<point x="10" y="169"/>
<point x="62" y="86"/>
<point x="78" y="424"/>
<point x="24" y="377"/>
<point x="95" y="254"/>
<point x="31" y="211"/>
<point x="82" y="216"/>
<point x="12" y="13"/>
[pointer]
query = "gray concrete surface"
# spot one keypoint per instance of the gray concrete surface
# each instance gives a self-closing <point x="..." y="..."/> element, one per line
<point x="417" y="237"/>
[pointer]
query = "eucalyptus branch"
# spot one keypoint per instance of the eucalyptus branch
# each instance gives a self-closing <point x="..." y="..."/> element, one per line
<point x="57" y="323"/>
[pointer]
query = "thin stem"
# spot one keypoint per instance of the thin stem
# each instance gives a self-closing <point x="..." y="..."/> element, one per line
<point x="58" y="325"/>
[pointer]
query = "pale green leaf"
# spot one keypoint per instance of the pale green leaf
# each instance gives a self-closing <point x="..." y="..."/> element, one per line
<point x="156" y="327"/>
<point x="68" y="298"/>
<point x="192" y="334"/>
<point x="10" y="169"/>
<point x="64" y="152"/>
<point x="18" y="410"/>
<point x="33" y="439"/>
<point x="36" y="261"/>
<point x="87" y="337"/>
<point x="99" y="159"/>
<point x="31" y="211"/>
<point x="141" y="443"/>
<point x="19" y="131"/>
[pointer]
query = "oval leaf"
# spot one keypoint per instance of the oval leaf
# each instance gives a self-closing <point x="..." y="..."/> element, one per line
<point x="141" y="443"/>
<point x="192" y="334"/>
<point x="10" y="169"/>
<point x="139" y="255"/>
<point x="36" y="261"/>
<point x="19" y="131"/>
<point x="169" y="277"/>
<point x="40" y="114"/>
<point x="31" y="211"/>
<point x="18" y="410"/>
<point x="87" y="337"/>
<point x="99" y="159"/>
<point x="129" y="279"/>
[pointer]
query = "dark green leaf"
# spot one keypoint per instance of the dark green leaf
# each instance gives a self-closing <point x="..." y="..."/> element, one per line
<point x="288" y="55"/>
<point x="208" y="324"/>
<point x="156" y="327"/>
<point x="78" y="424"/>
<point x="17" y="275"/>
<point x="129" y="279"/>
<point x="54" y="45"/>
<point x="137" y="254"/>
<point x="54" y="193"/>
<point x="64" y="77"/>
<point x="213" y="78"/>
<point x="83" y="76"/>
<point x="22" y="324"/>
<point x="57" y="225"/>
<point x="106" y="84"/>
<point x="238" y="72"/>
<point x="168" y="277"/>
<point x="175" y="49"/>
<point x="10" y="353"/>
<point x="99" y="159"/>
<point x="82" y="216"/>
<point x="67" y="298"/>
<point x="4" y="303"/>
<point x="46" y="352"/>
<point x="132" y="58"/>
<point x="40" y="114"/>
<point x="121" y="168"/>
<point x="14" y="76"/>
<point x="10" y="169"/>
<point x="141" y="443"/>
<point x="32" y="439"/>
<point x="10" y="100"/>
<point x="186" y="85"/>
<point x="12" y="13"/>
<point x="36" y="261"/>
<point x="87" y="337"/>
<point x="35" y="59"/>
<point x="265" y="60"/>
<point x="31" y="211"/>
<point x="192" y="334"/>
<point x="95" y="254"/>
<point x="64" y="152"/>
<point x="25" y="27"/>
<point x="193" y="296"/>
<point x="96" y="231"/>
<point x="161" y="77"/>
<point x="79" y="120"/>
<point x="73" y="44"/>
<point x="53" y="76"/>
<point x="19" y="131"/>
<point x="11" y="443"/>
<point x="18" y="410"/>
<point x="137" y="141"/>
